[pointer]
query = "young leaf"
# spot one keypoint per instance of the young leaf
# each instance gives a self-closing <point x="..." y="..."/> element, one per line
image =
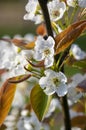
<point x="41" y="30"/>
<point x="2" y="71"/>
<point x="3" y="127"/>
<point x="79" y="121"/>
<point x="81" y="87"/>
<point x="80" y="64"/>
<point x="19" y="79"/>
<point x="39" y="101"/>
<point x="79" y="106"/>
<point x="7" y="92"/>
<point x="23" y="44"/>
<point x="69" y="35"/>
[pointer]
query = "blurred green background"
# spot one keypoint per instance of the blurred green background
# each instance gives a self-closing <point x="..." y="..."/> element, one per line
<point x="11" y="18"/>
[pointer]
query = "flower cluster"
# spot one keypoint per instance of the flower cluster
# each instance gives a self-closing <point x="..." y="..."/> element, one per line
<point x="42" y="52"/>
<point x="34" y="13"/>
<point x="54" y="82"/>
<point x="42" y="59"/>
<point x="56" y="9"/>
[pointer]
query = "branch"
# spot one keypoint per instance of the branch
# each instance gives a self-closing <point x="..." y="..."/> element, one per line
<point x="43" y="4"/>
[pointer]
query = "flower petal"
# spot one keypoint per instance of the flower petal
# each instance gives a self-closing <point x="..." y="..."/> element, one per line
<point x="61" y="77"/>
<point x="38" y="56"/>
<point x="51" y="42"/>
<point x="61" y="90"/>
<point x="49" y="90"/>
<point x="43" y="82"/>
<point x="48" y="61"/>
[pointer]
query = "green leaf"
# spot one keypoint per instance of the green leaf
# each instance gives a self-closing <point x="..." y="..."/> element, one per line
<point x="40" y="102"/>
<point x="80" y="64"/>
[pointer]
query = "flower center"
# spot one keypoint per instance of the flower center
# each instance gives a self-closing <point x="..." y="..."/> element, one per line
<point x="46" y="52"/>
<point x="55" y="13"/>
<point x="55" y="81"/>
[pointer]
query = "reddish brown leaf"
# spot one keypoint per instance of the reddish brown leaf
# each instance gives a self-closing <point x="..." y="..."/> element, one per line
<point x="23" y="44"/>
<point x="41" y="30"/>
<point x="7" y="92"/>
<point x="69" y="35"/>
<point x="6" y="40"/>
<point x="81" y="86"/>
<point x="79" y="106"/>
<point x="28" y="107"/>
<point x="79" y="121"/>
<point x="19" y="78"/>
<point x="2" y="71"/>
<point x="40" y="64"/>
<point x="3" y="127"/>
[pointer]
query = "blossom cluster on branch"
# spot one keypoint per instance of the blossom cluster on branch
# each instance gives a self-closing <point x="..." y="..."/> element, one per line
<point x="42" y="60"/>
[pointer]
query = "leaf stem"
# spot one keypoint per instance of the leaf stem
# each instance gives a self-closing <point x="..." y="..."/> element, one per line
<point x="73" y="14"/>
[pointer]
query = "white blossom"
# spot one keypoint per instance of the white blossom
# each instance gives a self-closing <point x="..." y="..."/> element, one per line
<point x="56" y="9"/>
<point x="31" y="123"/>
<point x="7" y="55"/>
<point x="72" y="3"/>
<point x="76" y="51"/>
<point x="33" y="12"/>
<point x="73" y="95"/>
<point x="82" y="3"/>
<point x="54" y="82"/>
<point x="31" y="9"/>
<point x="12" y="59"/>
<point x="44" y="50"/>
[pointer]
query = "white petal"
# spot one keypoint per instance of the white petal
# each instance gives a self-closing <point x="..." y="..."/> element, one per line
<point x="61" y="90"/>
<point x="61" y="77"/>
<point x="31" y="6"/>
<point x="43" y="82"/>
<point x="82" y="3"/>
<point x="27" y="53"/>
<point x="28" y="16"/>
<point x="71" y="3"/>
<point x="48" y="61"/>
<point x="39" y="41"/>
<point x="49" y="72"/>
<point x="38" y="56"/>
<point x="77" y="52"/>
<point x="49" y="90"/>
<point x="51" y="42"/>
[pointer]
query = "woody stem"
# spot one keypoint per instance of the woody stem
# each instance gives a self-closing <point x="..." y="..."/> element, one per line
<point x="64" y="103"/>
